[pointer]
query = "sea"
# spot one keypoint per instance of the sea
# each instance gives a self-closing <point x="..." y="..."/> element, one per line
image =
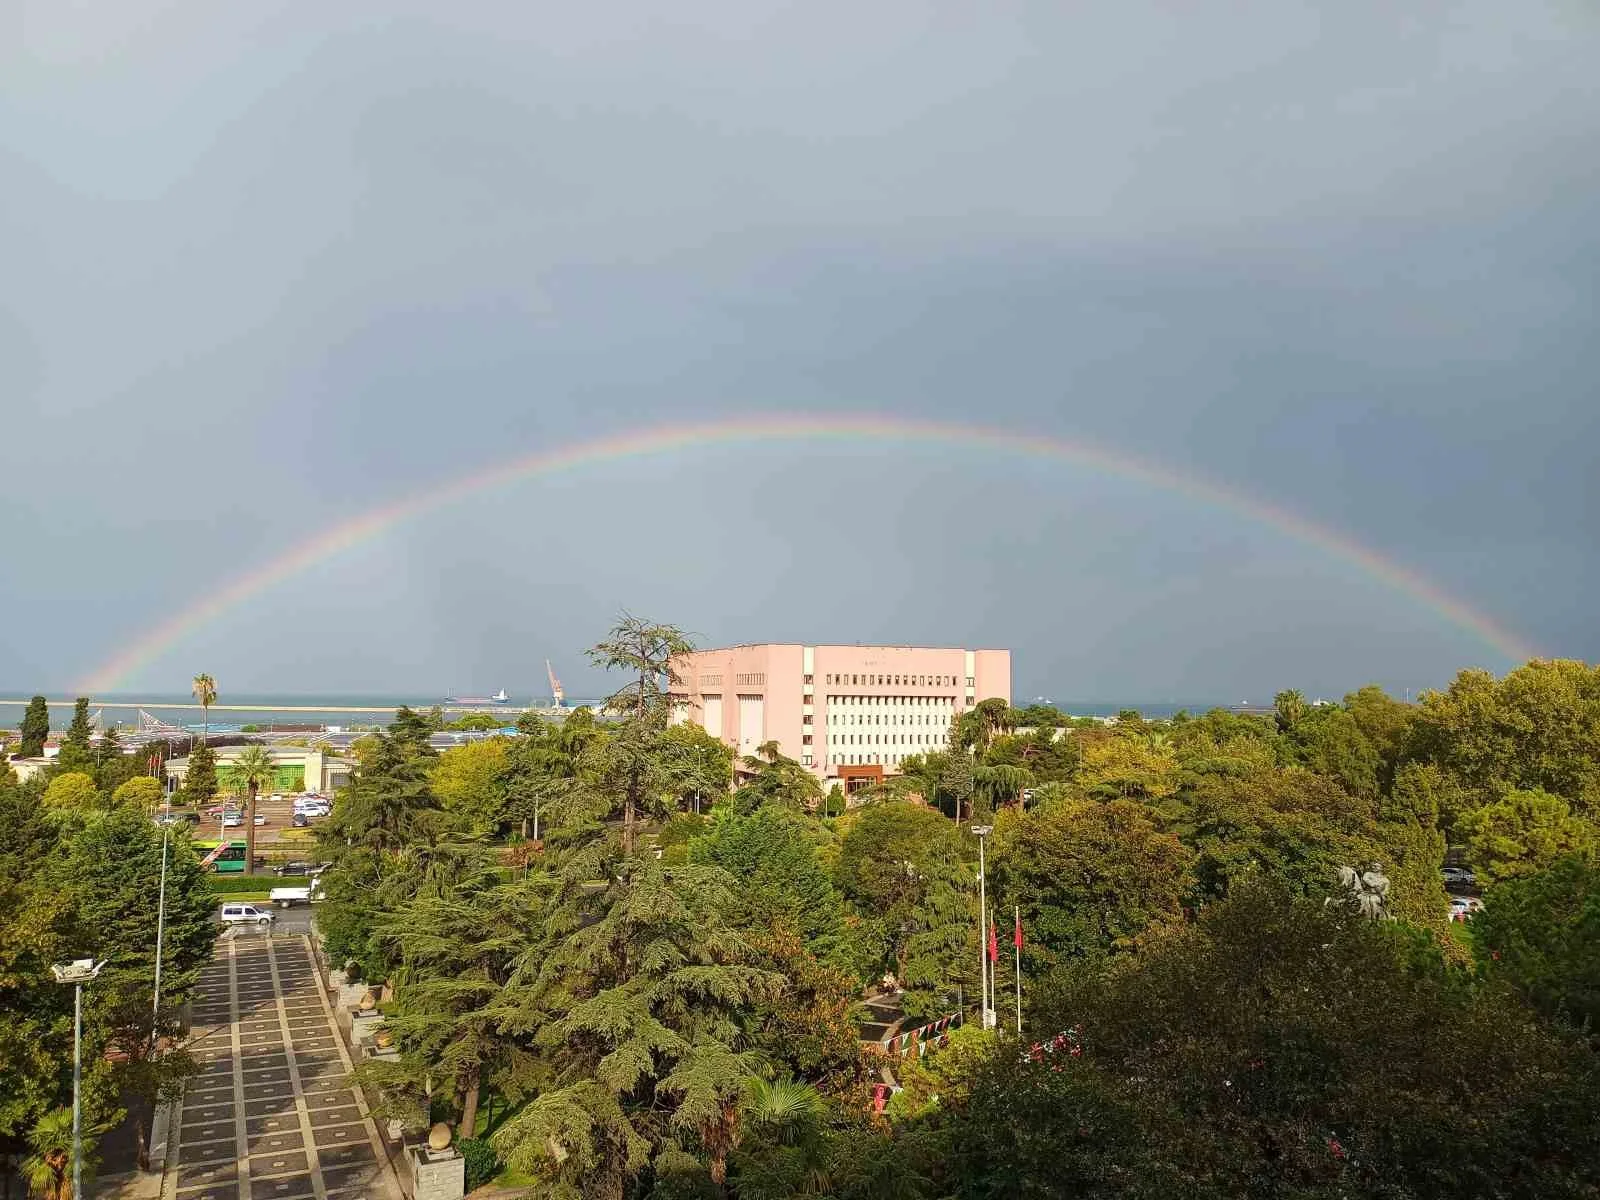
<point x="359" y="709"/>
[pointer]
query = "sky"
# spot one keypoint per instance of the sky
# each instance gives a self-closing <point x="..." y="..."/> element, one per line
<point x="267" y="267"/>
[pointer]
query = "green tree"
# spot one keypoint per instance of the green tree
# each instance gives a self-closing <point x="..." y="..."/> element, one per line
<point x="905" y="870"/>
<point x="200" y="779"/>
<point x="783" y="1149"/>
<point x="770" y="854"/>
<point x="456" y="951"/>
<point x="1281" y="1047"/>
<point x="1524" y="832"/>
<point x="701" y="765"/>
<point x="47" y="1169"/>
<point x="35" y="728"/>
<point x="635" y="1011"/>
<point x="634" y="763"/>
<point x="1537" y="729"/>
<point x="250" y="769"/>
<point x="1289" y="708"/>
<point x="1090" y="878"/>
<point x="469" y="781"/>
<point x="73" y="791"/>
<point x="204" y="689"/>
<point x="141" y="793"/>
<point x="1541" y="933"/>
<point x="773" y="778"/>
<point x="77" y="750"/>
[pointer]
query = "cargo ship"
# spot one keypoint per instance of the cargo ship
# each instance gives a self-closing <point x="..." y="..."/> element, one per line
<point x="499" y="697"/>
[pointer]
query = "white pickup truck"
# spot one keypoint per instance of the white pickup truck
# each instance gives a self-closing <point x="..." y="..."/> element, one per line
<point x="283" y="897"/>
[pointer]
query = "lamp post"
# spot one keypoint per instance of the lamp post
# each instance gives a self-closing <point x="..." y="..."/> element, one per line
<point x="984" y="1019"/>
<point x="78" y="972"/>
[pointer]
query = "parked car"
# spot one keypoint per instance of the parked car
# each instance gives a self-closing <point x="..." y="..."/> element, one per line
<point x="1459" y="877"/>
<point x="297" y="866"/>
<point x="216" y="810"/>
<point x="246" y="914"/>
<point x="261" y="819"/>
<point x="235" y="817"/>
<point x="300" y="820"/>
<point x="178" y="818"/>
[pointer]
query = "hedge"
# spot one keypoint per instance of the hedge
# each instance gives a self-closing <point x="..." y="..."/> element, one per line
<point x="255" y="883"/>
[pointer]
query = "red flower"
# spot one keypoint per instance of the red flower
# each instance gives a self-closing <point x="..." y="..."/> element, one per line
<point x="1336" y="1149"/>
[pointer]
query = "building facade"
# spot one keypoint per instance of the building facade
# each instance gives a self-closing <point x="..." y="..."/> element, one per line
<point x="294" y="769"/>
<point x="844" y="712"/>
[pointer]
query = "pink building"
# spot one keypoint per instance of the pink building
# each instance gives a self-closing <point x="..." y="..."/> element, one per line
<point x="844" y="711"/>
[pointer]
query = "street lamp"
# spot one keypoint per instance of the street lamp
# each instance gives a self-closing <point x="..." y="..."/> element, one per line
<point x="78" y="972"/>
<point x="985" y="1019"/>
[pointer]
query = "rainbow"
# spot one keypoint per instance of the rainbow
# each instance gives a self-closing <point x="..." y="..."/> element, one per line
<point x="149" y="646"/>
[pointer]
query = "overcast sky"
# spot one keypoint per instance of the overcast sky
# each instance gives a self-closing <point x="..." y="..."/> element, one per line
<point x="263" y="267"/>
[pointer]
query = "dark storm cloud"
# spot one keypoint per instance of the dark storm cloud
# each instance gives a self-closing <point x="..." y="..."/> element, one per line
<point x="266" y="268"/>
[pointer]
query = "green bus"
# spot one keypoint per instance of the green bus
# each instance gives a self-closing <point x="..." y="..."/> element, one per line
<point x="226" y="859"/>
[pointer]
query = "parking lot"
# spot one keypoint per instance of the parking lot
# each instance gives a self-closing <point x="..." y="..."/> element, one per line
<point x="271" y="1113"/>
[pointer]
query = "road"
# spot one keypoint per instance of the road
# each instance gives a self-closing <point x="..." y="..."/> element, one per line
<point x="271" y="1114"/>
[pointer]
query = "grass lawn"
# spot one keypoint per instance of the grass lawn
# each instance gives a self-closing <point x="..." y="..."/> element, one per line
<point x="513" y="1179"/>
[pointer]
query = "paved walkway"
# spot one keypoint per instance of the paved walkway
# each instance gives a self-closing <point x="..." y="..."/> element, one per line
<point x="271" y="1116"/>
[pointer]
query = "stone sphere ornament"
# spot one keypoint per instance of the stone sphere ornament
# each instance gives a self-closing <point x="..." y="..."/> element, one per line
<point x="439" y="1136"/>
<point x="368" y="1001"/>
<point x="384" y="1038"/>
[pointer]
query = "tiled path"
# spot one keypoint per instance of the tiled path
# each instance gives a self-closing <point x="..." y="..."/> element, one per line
<point x="270" y="1116"/>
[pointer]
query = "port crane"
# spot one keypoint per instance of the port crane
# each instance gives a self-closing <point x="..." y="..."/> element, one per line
<point x="555" y="685"/>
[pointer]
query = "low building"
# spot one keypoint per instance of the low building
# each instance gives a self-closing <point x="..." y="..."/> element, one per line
<point x="294" y="769"/>
<point x="851" y="713"/>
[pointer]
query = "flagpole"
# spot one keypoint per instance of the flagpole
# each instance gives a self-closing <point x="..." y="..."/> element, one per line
<point x="1017" y="942"/>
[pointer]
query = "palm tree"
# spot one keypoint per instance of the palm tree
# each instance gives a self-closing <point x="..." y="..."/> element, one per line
<point x="252" y="768"/>
<point x="48" y="1168"/>
<point x="205" y="691"/>
<point x="783" y="1124"/>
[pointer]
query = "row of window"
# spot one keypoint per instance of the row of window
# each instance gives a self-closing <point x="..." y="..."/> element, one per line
<point x="894" y="680"/>
<point x="884" y="719"/>
<point x="884" y="739"/>
<point x="752" y="679"/>
<point x="891" y="701"/>
<point x="858" y="760"/>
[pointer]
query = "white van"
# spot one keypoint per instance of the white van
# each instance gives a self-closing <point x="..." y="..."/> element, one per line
<point x="245" y="914"/>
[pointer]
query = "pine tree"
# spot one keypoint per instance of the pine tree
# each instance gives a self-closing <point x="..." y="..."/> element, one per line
<point x="77" y="754"/>
<point x="635" y="1007"/>
<point x="35" y="728"/>
<point x="200" y="782"/>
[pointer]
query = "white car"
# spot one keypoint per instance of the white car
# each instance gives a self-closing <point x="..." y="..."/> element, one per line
<point x="232" y="818"/>
<point x="261" y="819"/>
<point x="246" y="914"/>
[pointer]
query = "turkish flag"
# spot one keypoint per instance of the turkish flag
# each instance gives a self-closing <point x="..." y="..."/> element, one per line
<point x="1016" y="939"/>
<point x="994" y="944"/>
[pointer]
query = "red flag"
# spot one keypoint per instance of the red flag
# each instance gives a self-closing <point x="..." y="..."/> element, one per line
<point x="1016" y="939"/>
<point x="994" y="944"/>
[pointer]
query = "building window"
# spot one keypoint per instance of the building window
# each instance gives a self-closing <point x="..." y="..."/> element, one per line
<point x="751" y="679"/>
<point x="805" y="760"/>
<point x="969" y="681"/>
<point x="807" y="679"/>
<point x="805" y="739"/>
<point x="805" y="719"/>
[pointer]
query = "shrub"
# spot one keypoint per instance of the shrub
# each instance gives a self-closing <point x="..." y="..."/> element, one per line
<point x="227" y="884"/>
<point x="483" y="1164"/>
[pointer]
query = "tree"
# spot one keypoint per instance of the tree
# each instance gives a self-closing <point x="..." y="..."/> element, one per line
<point x="1289" y="707"/>
<point x="1541" y="933"/>
<point x="47" y="1169"/>
<point x="1090" y="878"/>
<point x="905" y="870"/>
<point x="469" y="781"/>
<point x="783" y="1147"/>
<point x="141" y="793"/>
<point x="1280" y="1047"/>
<point x="634" y="1009"/>
<point x="77" y="752"/>
<point x="35" y="728"/>
<point x="200" y="780"/>
<point x="457" y="950"/>
<point x="645" y="650"/>
<point x="1524" y="832"/>
<point x="204" y="689"/>
<point x="250" y="769"/>
<point x="73" y="791"/>
<point x="701" y="765"/>
<point x="1130" y="766"/>
<point x="773" y="778"/>
<point x="1537" y="729"/>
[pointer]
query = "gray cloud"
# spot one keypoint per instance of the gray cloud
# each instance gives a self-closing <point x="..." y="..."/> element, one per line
<point x="268" y="268"/>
